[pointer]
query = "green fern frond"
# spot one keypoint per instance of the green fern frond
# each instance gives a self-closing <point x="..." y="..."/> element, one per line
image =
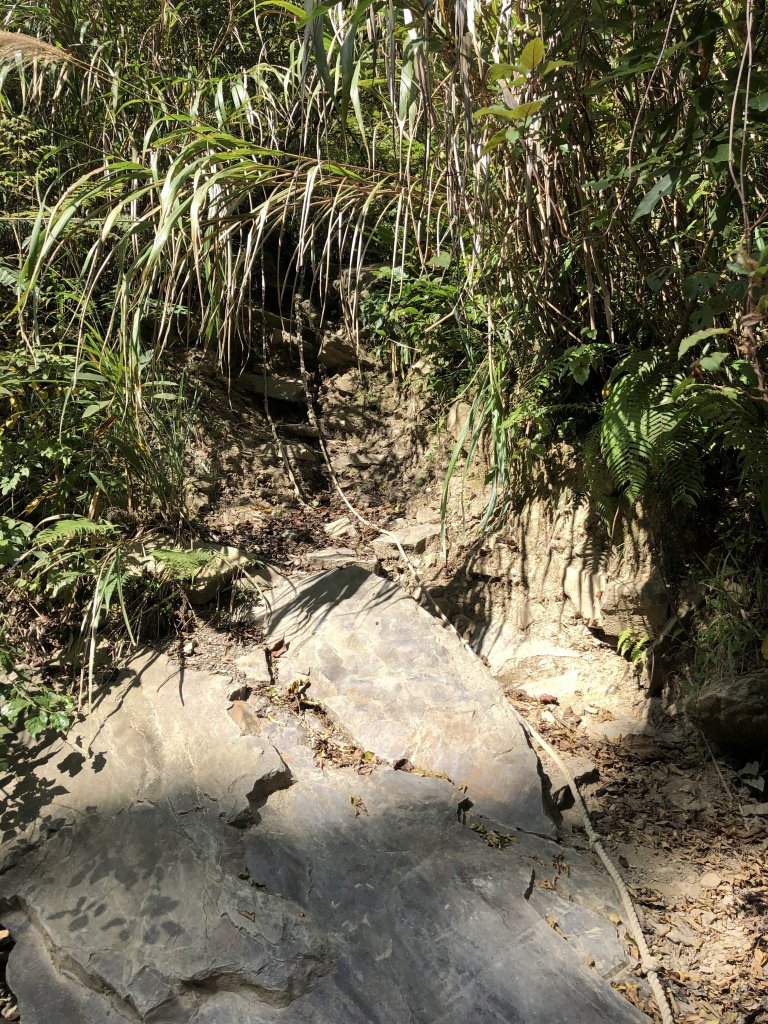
<point x="599" y="482"/>
<point x="639" y="418"/>
<point x="739" y="427"/>
<point x="183" y="564"/>
<point x="64" y="529"/>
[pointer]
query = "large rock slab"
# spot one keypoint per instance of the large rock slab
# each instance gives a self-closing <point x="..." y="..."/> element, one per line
<point x="413" y="538"/>
<point x="734" y="711"/>
<point x="435" y="924"/>
<point x="130" y="874"/>
<point x="406" y="689"/>
<point x="166" y="864"/>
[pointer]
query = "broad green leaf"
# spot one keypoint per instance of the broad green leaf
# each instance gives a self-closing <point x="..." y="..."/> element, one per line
<point x="495" y="141"/>
<point x="713" y="361"/>
<point x="519" y="113"/>
<point x="511" y="71"/>
<point x="699" y="283"/>
<point x="533" y="54"/>
<point x="699" y="336"/>
<point x="553" y="65"/>
<point x="60" y="720"/>
<point x="663" y="187"/>
<point x="719" y="155"/>
<point x="92" y="409"/>
<point x="36" y="723"/>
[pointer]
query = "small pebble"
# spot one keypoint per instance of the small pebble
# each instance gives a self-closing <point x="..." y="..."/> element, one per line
<point x="710" y="880"/>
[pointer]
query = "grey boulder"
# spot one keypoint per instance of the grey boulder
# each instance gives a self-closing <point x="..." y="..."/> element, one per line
<point x="183" y="858"/>
<point x="406" y="688"/>
<point x="734" y="711"/>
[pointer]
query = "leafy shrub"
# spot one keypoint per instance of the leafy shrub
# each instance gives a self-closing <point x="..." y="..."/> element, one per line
<point x="415" y="318"/>
<point x="72" y="437"/>
<point x="31" y="704"/>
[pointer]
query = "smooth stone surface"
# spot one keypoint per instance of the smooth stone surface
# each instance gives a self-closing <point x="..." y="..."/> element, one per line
<point x="179" y="859"/>
<point x="405" y="687"/>
<point x="131" y="872"/>
<point x="412" y="538"/>
<point x="500" y="644"/>
<point x="328" y="558"/>
<point x="436" y="925"/>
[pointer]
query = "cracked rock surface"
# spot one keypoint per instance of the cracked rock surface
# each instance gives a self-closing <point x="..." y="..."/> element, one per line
<point x="163" y="865"/>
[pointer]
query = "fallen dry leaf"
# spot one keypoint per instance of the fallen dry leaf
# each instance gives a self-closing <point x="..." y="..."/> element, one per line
<point x="280" y="648"/>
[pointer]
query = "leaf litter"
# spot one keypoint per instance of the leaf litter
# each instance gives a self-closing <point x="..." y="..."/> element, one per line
<point x="679" y="823"/>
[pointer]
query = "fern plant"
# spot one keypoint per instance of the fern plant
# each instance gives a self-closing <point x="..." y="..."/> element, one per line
<point x="645" y="434"/>
<point x="633" y="647"/>
<point x="664" y="430"/>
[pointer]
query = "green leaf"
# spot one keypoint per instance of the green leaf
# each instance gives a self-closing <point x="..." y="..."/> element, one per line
<point x="743" y="371"/>
<point x="60" y="721"/>
<point x="553" y="65"/>
<point x="36" y="723"/>
<point x="699" y="283"/>
<point x="694" y="339"/>
<point x="495" y="141"/>
<point x="713" y="361"/>
<point x="719" y="155"/>
<point x="441" y="260"/>
<point x="519" y="113"/>
<point x="283" y="5"/>
<point x="13" y="708"/>
<point x="91" y="410"/>
<point x="507" y="72"/>
<point x="533" y="54"/>
<point x="663" y="187"/>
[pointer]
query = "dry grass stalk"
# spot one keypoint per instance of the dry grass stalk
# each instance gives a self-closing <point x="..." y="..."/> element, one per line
<point x="17" y="44"/>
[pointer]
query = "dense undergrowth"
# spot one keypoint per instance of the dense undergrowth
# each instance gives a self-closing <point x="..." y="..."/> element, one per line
<point x="567" y="204"/>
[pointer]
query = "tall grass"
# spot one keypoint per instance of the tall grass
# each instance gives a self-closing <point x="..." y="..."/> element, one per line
<point x="581" y="178"/>
<point x="587" y="183"/>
